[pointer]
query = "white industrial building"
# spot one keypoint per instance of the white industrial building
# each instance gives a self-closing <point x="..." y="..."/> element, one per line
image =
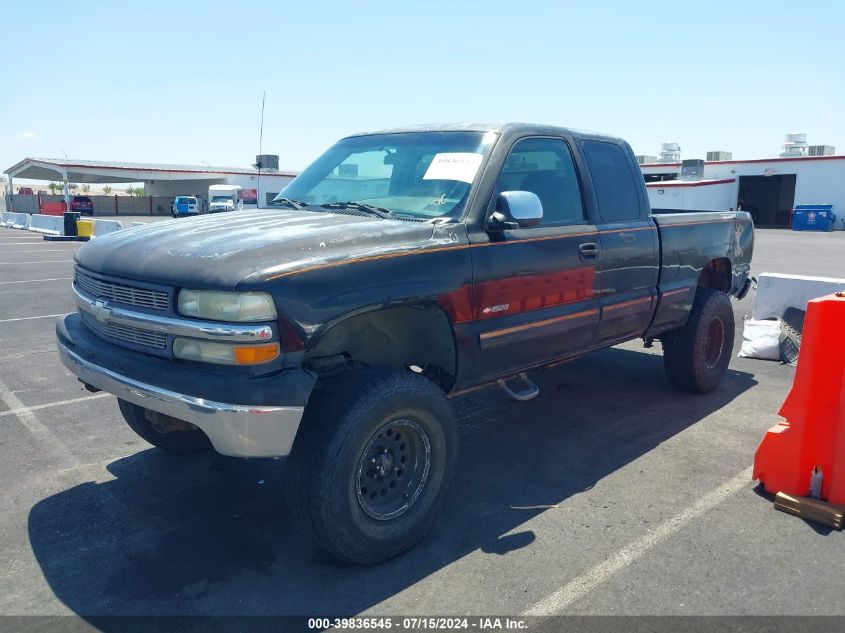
<point x="161" y="182"/>
<point x="769" y="188"/>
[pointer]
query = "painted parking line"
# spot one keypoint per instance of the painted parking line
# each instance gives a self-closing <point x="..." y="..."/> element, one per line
<point x="41" y="250"/>
<point x="29" y="318"/>
<point x="50" y="349"/>
<point x="32" y="281"/>
<point x="60" y="403"/>
<point x="40" y="433"/>
<point x="46" y="261"/>
<point x="592" y="578"/>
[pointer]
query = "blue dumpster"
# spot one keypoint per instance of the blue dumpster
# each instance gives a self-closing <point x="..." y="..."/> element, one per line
<point x="813" y="217"/>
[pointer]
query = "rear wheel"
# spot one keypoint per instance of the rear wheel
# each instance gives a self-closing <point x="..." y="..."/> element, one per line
<point x="372" y="464"/>
<point x="188" y="439"/>
<point x="696" y="356"/>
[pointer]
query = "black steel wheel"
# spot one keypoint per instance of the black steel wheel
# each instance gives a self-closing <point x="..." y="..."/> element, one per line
<point x="393" y="470"/>
<point x="372" y="462"/>
<point x="714" y="347"/>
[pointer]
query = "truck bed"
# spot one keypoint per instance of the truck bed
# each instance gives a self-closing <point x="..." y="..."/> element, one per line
<point x="689" y="242"/>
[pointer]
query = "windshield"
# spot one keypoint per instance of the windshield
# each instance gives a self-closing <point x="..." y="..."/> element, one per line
<point x="419" y="174"/>
<point x="221" y="199"/>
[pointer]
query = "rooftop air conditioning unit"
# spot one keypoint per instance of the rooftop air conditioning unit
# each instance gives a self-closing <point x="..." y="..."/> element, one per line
<point x="267" y="161"/>
<point x="821" y="150"/>
<point x="692" y="169"/>
<point x="644" y="159"/>
<point x="718" y="155"/>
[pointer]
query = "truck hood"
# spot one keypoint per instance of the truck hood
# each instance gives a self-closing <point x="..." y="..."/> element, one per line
<point x="221" y="251"/>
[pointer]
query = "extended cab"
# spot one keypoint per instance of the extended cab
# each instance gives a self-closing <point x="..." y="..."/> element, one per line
<point x="399" y="269"/>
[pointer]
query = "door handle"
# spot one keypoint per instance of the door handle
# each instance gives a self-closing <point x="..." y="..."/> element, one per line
<point x="627" y="237"/>
<point x="588" y="250"/>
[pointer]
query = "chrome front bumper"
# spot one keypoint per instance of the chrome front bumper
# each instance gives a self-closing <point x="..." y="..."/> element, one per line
<point x="234" y="429"/>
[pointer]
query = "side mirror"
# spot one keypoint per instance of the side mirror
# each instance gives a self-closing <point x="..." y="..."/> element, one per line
<point x="515" y="210"/>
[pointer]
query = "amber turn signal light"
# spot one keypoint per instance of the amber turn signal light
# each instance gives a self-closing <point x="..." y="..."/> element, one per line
<point x="256" y="354"/>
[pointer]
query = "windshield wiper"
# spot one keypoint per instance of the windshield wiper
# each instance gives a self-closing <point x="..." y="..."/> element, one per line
<point x="294" y="204"/>
<point x="359" y="206"/>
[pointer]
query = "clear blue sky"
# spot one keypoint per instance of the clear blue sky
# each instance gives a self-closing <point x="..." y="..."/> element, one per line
<point x="181" y="82"/>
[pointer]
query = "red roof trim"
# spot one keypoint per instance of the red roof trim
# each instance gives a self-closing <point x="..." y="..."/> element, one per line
<point x="704" y="183"/>
<point x="753" y="160"/>
<point x="775" y="160"/>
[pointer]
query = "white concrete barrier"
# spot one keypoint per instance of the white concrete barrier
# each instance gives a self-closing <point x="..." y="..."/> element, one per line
<point x="777" y="292"/>
<point x="102" y="227"/>
<point x="15" y="220"/>
<point x="47" y="224"/>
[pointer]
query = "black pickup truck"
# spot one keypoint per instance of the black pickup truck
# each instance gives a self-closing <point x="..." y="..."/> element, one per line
<point x="400" y="269"/>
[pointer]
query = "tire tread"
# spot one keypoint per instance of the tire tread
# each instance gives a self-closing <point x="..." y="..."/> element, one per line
<point x="680" y="346"/>
<point x="314" y="464"/>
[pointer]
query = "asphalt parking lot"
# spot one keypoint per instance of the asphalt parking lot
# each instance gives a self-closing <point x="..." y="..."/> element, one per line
<point x="611" y="493"/>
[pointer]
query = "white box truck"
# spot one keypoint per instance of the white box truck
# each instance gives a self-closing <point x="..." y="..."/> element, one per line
<point x="224" y="198"/>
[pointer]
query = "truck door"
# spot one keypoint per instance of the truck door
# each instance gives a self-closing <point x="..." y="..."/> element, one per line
<point x="536" y="289"/>
<point x="629" y="262"/>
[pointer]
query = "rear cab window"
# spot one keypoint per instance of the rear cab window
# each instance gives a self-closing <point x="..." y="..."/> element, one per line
<point x="617" y="192"/>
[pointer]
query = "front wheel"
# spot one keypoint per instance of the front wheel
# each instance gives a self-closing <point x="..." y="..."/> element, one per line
<point x="371" y="467"/>
<point x="696" y="356"/>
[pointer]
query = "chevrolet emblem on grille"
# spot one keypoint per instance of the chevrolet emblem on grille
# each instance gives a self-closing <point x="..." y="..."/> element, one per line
<point x="101" y="311"/>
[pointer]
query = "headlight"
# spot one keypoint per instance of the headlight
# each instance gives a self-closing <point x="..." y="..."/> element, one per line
<point x="227" y="306"/>
<point x="224" y="353"/>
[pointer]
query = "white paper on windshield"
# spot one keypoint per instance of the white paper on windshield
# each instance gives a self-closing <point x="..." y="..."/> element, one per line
<point x="460" y="166"/>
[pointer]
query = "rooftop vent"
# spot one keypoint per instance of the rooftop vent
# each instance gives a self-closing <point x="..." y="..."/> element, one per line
<point x="794" y="146"/>
<point x="669" y="153"/>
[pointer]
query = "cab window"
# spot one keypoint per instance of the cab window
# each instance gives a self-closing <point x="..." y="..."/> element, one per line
<point x="544" y="166"/>
<point x="616" y="187"/>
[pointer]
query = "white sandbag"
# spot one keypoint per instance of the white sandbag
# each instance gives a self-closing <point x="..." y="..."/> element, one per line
<point x="760" y="339"/>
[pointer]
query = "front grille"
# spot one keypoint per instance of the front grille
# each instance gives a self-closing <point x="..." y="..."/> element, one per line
<point x="126" y="333"/>
<point x="130" y="295"/>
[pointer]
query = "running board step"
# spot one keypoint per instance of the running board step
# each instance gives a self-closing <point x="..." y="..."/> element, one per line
<point x="530" y="391"/>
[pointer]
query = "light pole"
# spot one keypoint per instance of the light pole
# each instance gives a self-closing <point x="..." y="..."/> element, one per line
<point x="67" y="186"/>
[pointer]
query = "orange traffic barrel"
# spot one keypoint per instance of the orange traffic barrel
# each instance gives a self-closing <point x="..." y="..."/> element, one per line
<point x="813" y="431"/>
